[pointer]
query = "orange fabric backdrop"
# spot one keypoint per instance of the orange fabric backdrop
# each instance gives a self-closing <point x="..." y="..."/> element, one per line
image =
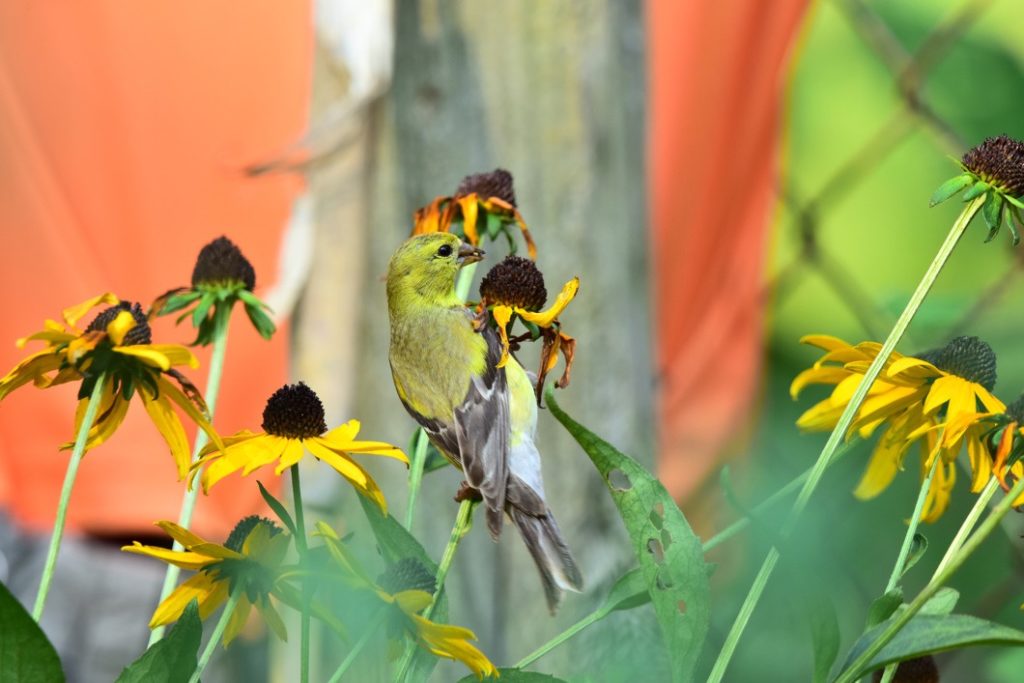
<point x="123" y="129"/>
<point x="716" y="86"/>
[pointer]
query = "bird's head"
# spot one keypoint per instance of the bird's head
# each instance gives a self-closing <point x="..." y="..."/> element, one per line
<point x="424" y="268"/>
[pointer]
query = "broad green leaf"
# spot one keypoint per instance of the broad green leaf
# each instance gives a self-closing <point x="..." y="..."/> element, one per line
<point x="515" y="676"/>
<point x="172" y="659"/>
<point x="26" y="656"/>
<point x="883" y="607"/>
<point x="950" y="188"/>
<point x="929" y="633"/>
<point x="668" y="552"/>
<point x="918" y="546"/>
<point x="821" y="617"/>
<point x="396" y="543"/>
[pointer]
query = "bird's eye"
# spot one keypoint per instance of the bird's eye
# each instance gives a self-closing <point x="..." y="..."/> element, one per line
<point x="444" y="250"/>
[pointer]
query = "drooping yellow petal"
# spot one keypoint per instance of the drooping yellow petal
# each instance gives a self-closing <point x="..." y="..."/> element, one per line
<point x="339" y="461"/>
<point x="882" y="468"/>
<point x="53" y="333"/>
<point x="120" y="326"/>
<point x="237" y="437"/>
<point x="180" y="558"/>
<point x="209" y="592"/>
<point x="825" y="342"/>
<point x="28" y="370"/>
<point x="413" y="601"/>
<point x="981" y="461"/>
<point x="112" y="411"/>
<point x="196" y="543"/>
<point x="363" y="447"/>
<point x="248" y="455"/>
<point x="453" y="642"/>
<point x="293" y="451"/>
<point x="169" y="426"/>
<point x="175" y="394"/>
<point x="502" y="316"/>
<point x="817" y="375"/>
<point x="237" y="621"/>
<point x="545" y="318"/>
<point x="468" y="204"/>
<point x="163" y="356"/>
<point x="75" y="313"/>
<point x="910" y="369"/>
<point x="272" y="618"/>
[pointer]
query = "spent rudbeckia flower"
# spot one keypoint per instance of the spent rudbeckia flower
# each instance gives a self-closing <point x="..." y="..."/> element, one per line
<point x="294" y="423"/>
<point x="248" y="563"/>
<point x="492" y="195"/>
<point x="995" y="168"/>
<point x="221" y="277"/>
<point x="405" y="590"/>
<point x="515" y="287"/>
<point x="942" y="398"/>
<point x="116" y="345"/>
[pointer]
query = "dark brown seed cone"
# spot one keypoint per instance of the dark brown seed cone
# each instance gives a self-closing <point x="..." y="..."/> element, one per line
<point x="294" y="412"/>
<point x="999" y="161"/>
<point x="497" y="183"/>
<point x="242" y="530"/>
<point x="971" y="359"/>
<point x="221" y="261"/>
<point x="140" y="334"/>
<point x="407" y="574"/>
<point x="515" y="281"/>
<point x="920" y="670"/>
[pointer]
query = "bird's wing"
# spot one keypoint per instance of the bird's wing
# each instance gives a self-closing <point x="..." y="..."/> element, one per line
<point x="482" y="431"/>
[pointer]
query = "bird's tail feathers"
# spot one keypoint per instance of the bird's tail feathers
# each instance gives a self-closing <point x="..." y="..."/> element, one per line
<point x="558" y="571"/>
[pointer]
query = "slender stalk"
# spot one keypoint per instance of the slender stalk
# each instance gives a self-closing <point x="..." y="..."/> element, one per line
<point x="565" y="635"/>
<point x="968" y="524"/>
<point x="462" y="285"/>
<point x="462" y="525"/>
<point x="303" y="549"/>
<point x="837" y="435"/>
<point x="419" y="456"/>
<point x="903" y="616"/>
<point x="65" y="496"/>
<point x="742" y="523"/>
<point x="218" y="631"/>
<point x="188" y="502"/>
<point x="368" y="632"/>
<point x="908" y="539"/>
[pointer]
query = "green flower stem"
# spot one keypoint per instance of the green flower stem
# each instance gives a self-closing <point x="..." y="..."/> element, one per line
<point x="462" y="284"/>
<point x="368" y="632"/>
<point x="419" y="456"/>
<point x="741" y="524"/>
<point x="968" y="524"/>
<point x="565" y="635"/>
<point x="463" y="522"/>
<point x="65" y="496"/>
<point x="303" y="549"/>
<point x="960" y="556"/>
<point x="837" y="435"/>
<point x="188" y="503"/>
<point x="218" y="631"/>
<point x="908" y="540"/>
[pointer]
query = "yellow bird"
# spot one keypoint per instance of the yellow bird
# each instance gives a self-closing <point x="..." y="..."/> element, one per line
<point x="481" y="417"/>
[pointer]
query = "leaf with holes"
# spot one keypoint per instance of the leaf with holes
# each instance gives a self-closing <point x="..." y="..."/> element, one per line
<point x="670" y="555"/>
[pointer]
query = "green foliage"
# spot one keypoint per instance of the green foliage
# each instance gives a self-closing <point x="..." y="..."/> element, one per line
<point x="824" y="627"/>
<point x="918" y="547"/>
<point x="669" y="554"/>
<point x="515" y="676"/>
<point x="172" y="659"/>
<point x="930" y="633"/>
<point x="26" y="656"/>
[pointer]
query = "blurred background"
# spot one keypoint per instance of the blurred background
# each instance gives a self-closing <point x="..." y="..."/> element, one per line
<point x="723" y="177"/>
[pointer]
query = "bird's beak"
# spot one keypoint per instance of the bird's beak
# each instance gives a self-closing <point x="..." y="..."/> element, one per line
<point x="469" y="254"/>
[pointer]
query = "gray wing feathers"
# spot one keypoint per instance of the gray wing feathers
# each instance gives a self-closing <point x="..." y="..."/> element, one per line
<point x="558" y="571"/>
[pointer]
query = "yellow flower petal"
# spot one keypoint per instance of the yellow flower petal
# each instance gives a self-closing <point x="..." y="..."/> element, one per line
<point x="502" y="315"/>
<point x="172" y="392"/>
<point x="882" y="468"/>
<point x="272" y="619"/>
<point x="28" y="370"/>
<point x="247" y="454"/>
<point x="179" y="558"/>
<point x="75" y="313"/>
<point x="120" y="326"/>
<point x="237" y="620"/>
<point x="817" y="375"/>
<point x="210" y="593"/>
<point x="169" y="426"/>
<point x="196" y="543"/>
<point x="339" y="445"/>
<point x="545" y="318"/>
<point x="293" y="452"/>
<point x="825" y="342"/>
<point x="413" y="601"/>
<point x="468" y="204"/>
<point x="339" y="461"/>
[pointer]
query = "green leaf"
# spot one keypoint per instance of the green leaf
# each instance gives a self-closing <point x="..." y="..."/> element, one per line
<point x="515" y="676"/>
<point x="263" y="324"/>
<point x="628" y="592"/>
<point x="976" y="190"/>
<point x="883" y="607"/>
<point x="943" y="602"/>
<point x="993" y="213"/>
<point x="201" y="309"/>
<point x="26" y="656"/>
<point x="172" y="659"/>
<point x="824" y="625"/>
<point x="433" y="460"/>
<point x="668" y="552"/>
<point x="278" y="508"/>
<point x="950" y="188"/>
<point x="918" y="546"/>
<point x="929" y="633"/>
<point x="396" y="543"/>
<point x="179" y="301"/>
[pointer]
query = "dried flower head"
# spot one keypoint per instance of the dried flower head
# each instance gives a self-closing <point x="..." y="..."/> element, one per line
<point x="497" y="183"/>
<point x="515" y="281"/>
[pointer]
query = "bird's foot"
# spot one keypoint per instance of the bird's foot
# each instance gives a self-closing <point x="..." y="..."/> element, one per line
<point x="467" y="492"/>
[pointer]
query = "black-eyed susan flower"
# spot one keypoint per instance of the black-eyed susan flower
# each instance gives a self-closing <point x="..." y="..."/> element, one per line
<point x="942" y="399"/>
<point x="249" y="563"/>
<point x="1007" y="442"/>
<point x="515" y="287"/>
<point x="490" y="194"/>
<point x="995" y="168"/>
<point x="221" y="278"/>
<point x="294" y="423"/>
<point x="116" y="345"/>
<point x="405" y="590"/>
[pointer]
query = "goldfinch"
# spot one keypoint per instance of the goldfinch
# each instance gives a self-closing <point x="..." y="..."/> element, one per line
<point x="482" y="417"/>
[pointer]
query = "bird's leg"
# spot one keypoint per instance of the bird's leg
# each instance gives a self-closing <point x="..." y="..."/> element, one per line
<point x="467" y="492"/>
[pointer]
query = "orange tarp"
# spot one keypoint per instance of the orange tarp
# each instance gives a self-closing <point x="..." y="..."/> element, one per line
<point x="123" y="129"/>
<point x="716" y="87"/>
